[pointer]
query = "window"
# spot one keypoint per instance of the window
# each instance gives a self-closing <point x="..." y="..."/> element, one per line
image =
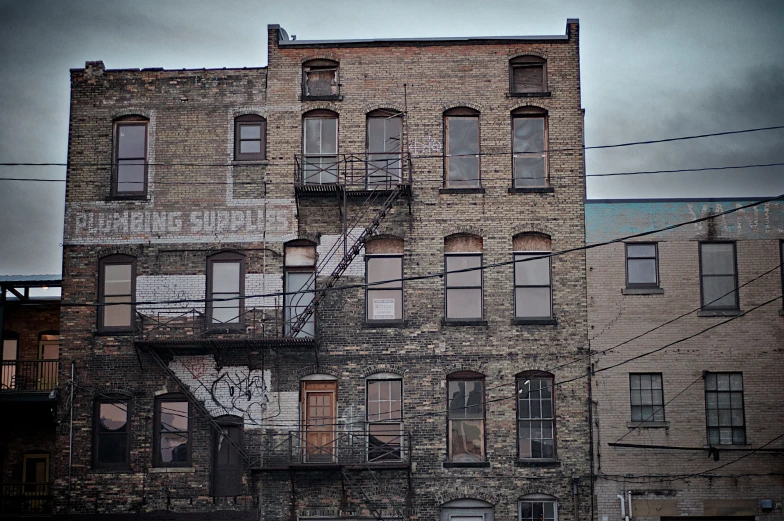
<point x="724" y="408"/>
<point x="647" y="397"/>
<point x="642" y="265"/>
<point x="48" y="356"/>
<point x="384" y="417"/>
<point x="250" y="135"/>
<point x="384" y="261"/>
<point x="320" y="148"/>
<point x="111" y="434"/>
<point x="719" y="276"/>
<point x="527" y="74"/>
<point x="466" y="510"/>
<point x="463" y="289"/>
<point x="172" y="432"/>
<point x="384" y="160"/>
<point x="535" y="416"/>
<point x="320" y="79"/>
<point x="117" y="286"/>
<point x="10" y="351"/>
<point x="537" y="507"/>
<point x="227" y="466"/>
<point x="529" y="148"/>
<point x="466" y="417"/>
<point x="130" y="156"/>
<point x="533" y="289"/>
<point x="225" y="289"/>
<point x="299" y="276"/>
<point x="461" y="160"/>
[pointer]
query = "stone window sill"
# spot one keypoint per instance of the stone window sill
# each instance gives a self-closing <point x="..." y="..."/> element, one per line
<point x="648" y="425"/>
<point x="140" y="198"/>
<point x="543" y="94"/>
<point x="532" y="190"/>
<point x="642" y="291"/>
<point x="468" y="322"/>
<point x="334" y="97"/>
<point x="375" y="324"/>
<point x="537" y="463"/>
<point x="719" y="313"/>
<point x="534" y="322"/>
<point x="250" y="162"/>
<point x="744" y="446"/>
<point x="126" y="332"/>
<point x="467" y="465"/>
<point x="461" y="190"/>
<point x="109" y="470"/>
<point x="172" y="470"/>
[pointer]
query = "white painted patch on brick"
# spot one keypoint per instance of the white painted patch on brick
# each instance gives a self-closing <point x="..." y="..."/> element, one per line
<point x="330" y="252"/>
<point x="258" y="284"/>
<point x="157" y="288"/>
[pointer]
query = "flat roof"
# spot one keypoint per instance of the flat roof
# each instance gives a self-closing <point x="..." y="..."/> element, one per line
<point x="29" y="280"/>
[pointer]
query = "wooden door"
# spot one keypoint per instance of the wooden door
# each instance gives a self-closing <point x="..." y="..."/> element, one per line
<point x="319" y="417"/>
<point x="227" y="478"/>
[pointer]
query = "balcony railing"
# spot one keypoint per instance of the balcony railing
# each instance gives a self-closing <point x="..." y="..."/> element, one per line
<point x="317" y="447"/>
<point x="376" y="171"/>
<point x="29" y="375"/>
<point x="25" y="499"/>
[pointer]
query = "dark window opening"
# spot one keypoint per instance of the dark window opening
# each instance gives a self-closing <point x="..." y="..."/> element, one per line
<point x="532" y="278"/>
<point x="111" y="434"/>
<point x="227" y="462"/>
<point x="299" y="283"/>
<point x="537" y="507"/>
<point x="172" y="432"/>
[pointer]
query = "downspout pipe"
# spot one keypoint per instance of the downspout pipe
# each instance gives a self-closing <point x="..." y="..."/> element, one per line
<point x="70" y="433"/>
<point x="623" y="507"/>
<point x="629" y="494"/>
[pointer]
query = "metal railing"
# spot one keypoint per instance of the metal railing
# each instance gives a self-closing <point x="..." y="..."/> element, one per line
<point x="29" y="375"/>
<point x="318" y="447"/>
<point x="25" y="499"/>
<point x="373" y="171"/>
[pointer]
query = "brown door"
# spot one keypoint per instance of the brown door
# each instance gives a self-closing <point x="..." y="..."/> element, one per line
<point x="319" y="415"/>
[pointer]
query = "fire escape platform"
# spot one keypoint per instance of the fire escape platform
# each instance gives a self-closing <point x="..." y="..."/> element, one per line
<point x="207" y="345"/>
<point x="399" y="465"/>
<point x="333" y="189"/>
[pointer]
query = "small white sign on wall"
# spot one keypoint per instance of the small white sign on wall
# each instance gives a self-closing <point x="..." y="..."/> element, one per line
<point x="383" y="308"/>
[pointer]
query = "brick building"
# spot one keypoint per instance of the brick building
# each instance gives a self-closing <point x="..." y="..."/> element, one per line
<point x="203" y="207"/>
<point x="29" y="391"/>
<point x="694" y="427"/>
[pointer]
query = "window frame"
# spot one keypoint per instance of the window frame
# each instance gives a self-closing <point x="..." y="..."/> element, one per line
<point x="537" y="498"/>
<point x="117" y="124"/>
<point x="527" y="61"/>
<point x="226" y="257"/>
<point x="288" y="319"/>
<point x="320" y="114"/>
<point x="639" y="285"/>
<point x="392" y="175"/>
<point x="97" y="435"/>
<point x="522" y="378"/>
<point x="650" y="419"/>
<point x="465" y="113"/>
<point x="717" y="391"/>
<point x="703" y="306"/>
<point x="227" y="422"/>
<point x="250" y="120"/>
<point x="384" y="377"/>
<point x="466" y="376"/>
<point x="532" y="113"/>
<point x="157" y="462"/>
<point x="320" y="65"/>
<point x="515" y="284"/>
<point x="481" y="289"/>
<point x="115" y="259"/>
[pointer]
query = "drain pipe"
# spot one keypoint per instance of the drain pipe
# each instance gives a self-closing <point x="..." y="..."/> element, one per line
<point x="629" y="493"/>
<point x="623" y="507"/>
<point x="70" y="434"/>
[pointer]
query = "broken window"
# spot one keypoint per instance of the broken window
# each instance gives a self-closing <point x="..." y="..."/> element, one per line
<point x="466" y="417"/>
<point x="647" y="397"/>
<point x="384" y="262"/>
<point x="724" y="408"/>
<point x="111" y="434"/>
<point x="527" y="74"/>
<point x="384" y="160"/>
<point x="530" y="148"/>
<point x="384" y="417"/>
<point x="249" y="137"/>
<point x="320" y="79"/>
<point x="299" y="284"/>
<point x="642" y="270"/>
<point x="463" y="288"/>
<point x="117" y="282"/>
<point x="172" y="432"/>
<point x="718" y="275"/>
<point x="320" y="147"/>
<point x="130" y="156"/>
<point x="461" y="160"/>
<point x="225" y="289"/>
<point x="535" y="416"/>
<point x="532" y="285"/>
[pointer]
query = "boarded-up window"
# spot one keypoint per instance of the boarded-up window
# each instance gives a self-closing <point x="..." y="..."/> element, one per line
<point x="463" y="280"/>
<point x="384" y="262"/>
<point x="320" y="79"/>
<point x="466" y="417"/>
<point x="529" y="148"/>
<point x="533" y="289"/>
<point x="461" y="160"/>
<point x="527" y="74"/>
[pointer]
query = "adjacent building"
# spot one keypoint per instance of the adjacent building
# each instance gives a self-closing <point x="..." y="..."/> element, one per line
<point x="322" y="288"/>
<point x="686" y="333"/>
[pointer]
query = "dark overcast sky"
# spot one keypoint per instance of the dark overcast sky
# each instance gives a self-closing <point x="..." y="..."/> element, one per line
<point x="649" y="70"/>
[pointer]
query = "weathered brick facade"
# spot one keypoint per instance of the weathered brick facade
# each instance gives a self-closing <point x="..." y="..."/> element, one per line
<point x="688" y="482"/>
<point x="200" y="201"/>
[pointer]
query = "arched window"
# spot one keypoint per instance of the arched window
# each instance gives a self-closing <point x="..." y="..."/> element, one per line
<point x="320" y="80"/>
<point x="384" y="146"/>
<point x="529" y="148"/>
<point x="527" y="74"/>
<point x="384" y="417"/>
<point x="299" y="282"/>
<point x="320" y="147"/>
<point x="129" y="175"/>
<point x="466" y="414"/>
<point x="537" y="507"/>
<point x="535" y="416"/>
<point x="384" y="261"/>
<point x="463" y="288"/>
<point x="467" y="509"/>
<point x="532" y="280"/>
<point x="250" y="137"/>
<point x="116" y="292"/>
<point x="226" y="289"/>
<point x="461" y="148"/>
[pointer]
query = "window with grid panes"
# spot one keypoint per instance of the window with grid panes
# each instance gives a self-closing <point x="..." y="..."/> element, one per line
<point x="535" y="417"/>
<point x="537" y="507"/>
<point x="384" y="419"/>
<point x="647" y="397"/>
<point x="724" y="409"/>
